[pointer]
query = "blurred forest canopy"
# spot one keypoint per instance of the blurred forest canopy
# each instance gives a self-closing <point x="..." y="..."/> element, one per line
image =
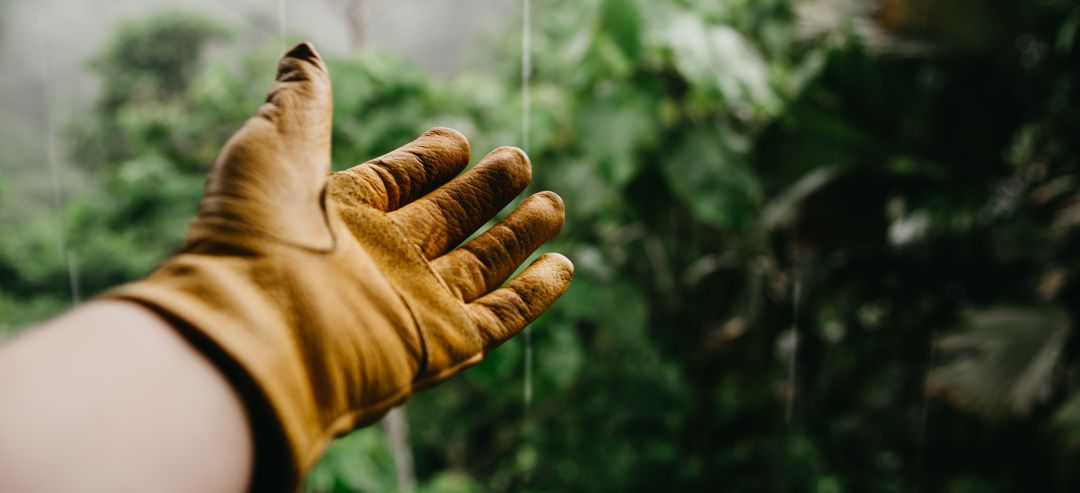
<point x="896" y="179"/>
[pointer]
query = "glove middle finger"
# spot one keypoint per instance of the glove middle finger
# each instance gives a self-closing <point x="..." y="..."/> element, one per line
<point x="444" y="218"/>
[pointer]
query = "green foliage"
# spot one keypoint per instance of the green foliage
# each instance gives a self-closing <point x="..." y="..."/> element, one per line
<point x="154" y="59"/>
<point x="714" y="161"/>
<point x="360" y="462"/>
<point x="713" y="179"/>
<point x="146" y="72"/>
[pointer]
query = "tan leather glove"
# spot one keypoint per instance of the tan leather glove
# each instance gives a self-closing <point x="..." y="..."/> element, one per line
<point x="329" y="298"/>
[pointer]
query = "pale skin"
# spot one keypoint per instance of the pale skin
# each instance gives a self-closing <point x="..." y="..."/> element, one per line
<point x="110" y="398"/>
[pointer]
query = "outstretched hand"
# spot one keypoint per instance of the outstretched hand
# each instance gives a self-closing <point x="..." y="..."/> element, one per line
<point x="340" y="294"/>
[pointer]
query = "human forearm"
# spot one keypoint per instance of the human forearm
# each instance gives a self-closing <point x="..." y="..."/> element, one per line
<point x="109" y="397"/>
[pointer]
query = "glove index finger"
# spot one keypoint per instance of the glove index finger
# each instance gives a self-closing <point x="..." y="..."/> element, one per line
<point x="407" y="173"/>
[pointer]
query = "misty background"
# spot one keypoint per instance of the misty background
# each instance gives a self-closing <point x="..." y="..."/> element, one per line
<point x="46" y="48"/>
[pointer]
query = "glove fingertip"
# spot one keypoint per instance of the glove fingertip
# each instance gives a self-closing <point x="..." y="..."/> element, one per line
<point x="304" y="51"/>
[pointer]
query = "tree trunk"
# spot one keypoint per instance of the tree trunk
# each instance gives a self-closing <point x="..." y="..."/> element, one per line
<point x="354" y="19"/>
<point x="397" y="435"/>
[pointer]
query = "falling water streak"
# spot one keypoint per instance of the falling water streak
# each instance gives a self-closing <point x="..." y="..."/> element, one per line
<point x="66" y="255"/>
<point x="924" y="414"/>
<point x="924" y="411"/>
<point x="528" y="369"/>
<point x="793" y="356"/>
<point x="281" y="24"/>
<point x="526" y="74"/>
<point x="526" y="71"/>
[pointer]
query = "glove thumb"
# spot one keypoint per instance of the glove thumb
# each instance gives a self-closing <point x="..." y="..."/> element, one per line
<point x="272" y="172"/>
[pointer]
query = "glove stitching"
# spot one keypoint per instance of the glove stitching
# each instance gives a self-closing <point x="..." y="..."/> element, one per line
<point x="425" y="355"/>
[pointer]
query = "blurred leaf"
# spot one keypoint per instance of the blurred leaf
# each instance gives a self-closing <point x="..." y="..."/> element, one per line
<point x="1002" y="362"/>
<point x="612" y="129"/>
<point x="359" y="462"/>
<point x="451" y="482"/>
<point x="719" y="58"/>
<point x="620" y="19"/>
<point x="783" y="210"/>
<point x="559" y="354"/>
<point x="712" y="179"/>
<point x="1067" y="421"/>
<point x="1066" y="38"/>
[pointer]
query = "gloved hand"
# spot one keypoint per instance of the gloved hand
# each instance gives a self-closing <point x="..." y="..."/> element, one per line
<point x="334" y="296"/>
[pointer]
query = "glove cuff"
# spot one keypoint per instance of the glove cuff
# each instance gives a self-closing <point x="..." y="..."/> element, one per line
<point x="236" y="328"/>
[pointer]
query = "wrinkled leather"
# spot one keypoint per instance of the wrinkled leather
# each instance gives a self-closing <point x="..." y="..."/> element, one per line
<point x="340" y="294"/>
